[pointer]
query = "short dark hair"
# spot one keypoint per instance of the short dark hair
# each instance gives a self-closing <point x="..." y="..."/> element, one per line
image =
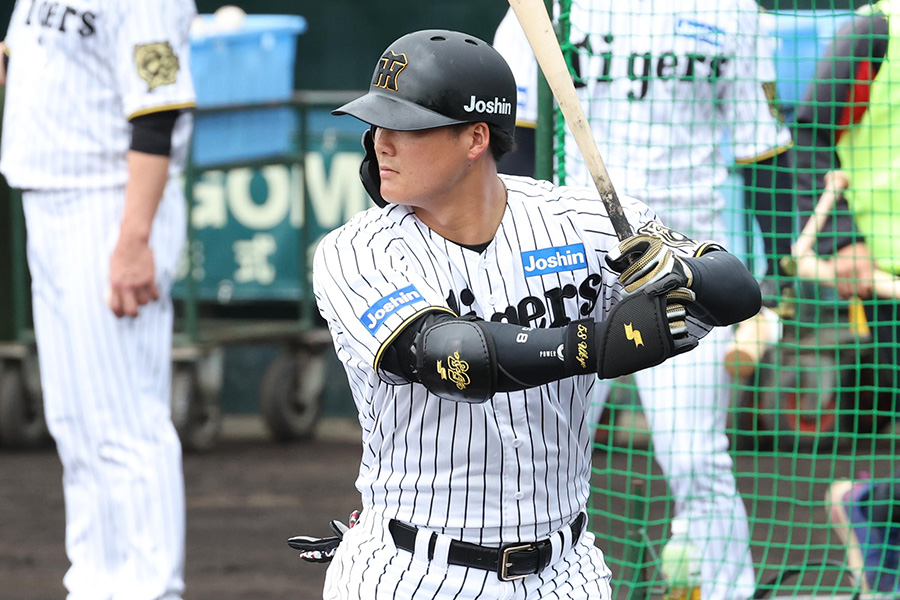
<point x="501" y="142"/>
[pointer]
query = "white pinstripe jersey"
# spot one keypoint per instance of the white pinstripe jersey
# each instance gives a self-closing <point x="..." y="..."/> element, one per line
<point x="665" y="82"/>
<point x="79" y="69"/>
<point x="517" y="466"/>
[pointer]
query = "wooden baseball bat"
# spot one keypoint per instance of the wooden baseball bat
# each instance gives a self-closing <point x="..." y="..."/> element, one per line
<point x="533" y="17"/>
<point x="835" y="183"/>
<point x="810" y="266"/>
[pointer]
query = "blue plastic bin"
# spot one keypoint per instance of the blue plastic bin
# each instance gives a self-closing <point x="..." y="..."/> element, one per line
<point x="803" y="37"/>
<point x="252" y="64"/>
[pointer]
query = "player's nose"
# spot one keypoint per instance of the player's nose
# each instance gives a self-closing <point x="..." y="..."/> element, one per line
<point x="384" y="140"/>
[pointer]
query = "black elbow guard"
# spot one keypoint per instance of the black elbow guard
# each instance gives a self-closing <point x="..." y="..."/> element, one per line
<point x="471" y="360"/>
<point x="456" y="360"/>
<point x="726" y="292"/>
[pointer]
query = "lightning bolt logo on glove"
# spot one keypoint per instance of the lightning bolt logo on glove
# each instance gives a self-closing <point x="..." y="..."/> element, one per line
<point x="634" y="335"/>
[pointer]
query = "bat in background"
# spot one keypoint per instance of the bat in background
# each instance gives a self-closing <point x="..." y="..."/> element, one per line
<point x="803" y="257"/>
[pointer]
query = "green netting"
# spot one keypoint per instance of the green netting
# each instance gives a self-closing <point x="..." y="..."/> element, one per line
<point x="670" y="95"/>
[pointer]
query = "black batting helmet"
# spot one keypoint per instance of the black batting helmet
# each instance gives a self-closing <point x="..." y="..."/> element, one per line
<point x="434" y="78"/>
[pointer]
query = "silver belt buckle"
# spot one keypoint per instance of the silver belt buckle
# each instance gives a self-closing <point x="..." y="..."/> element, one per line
<point x="505" y="564"/>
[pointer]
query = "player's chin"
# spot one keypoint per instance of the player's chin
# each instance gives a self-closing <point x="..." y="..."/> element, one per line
<point x="394" y="195"/>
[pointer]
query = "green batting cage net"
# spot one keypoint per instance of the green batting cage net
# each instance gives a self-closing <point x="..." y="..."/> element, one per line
<point x="776" y="439"/>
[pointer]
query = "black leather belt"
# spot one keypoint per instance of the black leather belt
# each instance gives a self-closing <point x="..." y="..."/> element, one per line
<point x="510" y="561"/>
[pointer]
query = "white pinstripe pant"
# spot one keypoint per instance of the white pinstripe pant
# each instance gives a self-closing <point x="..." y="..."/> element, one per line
<point x="368" y="565"/>
<point x="106" y="385"/>
<point x="686" y="402"/>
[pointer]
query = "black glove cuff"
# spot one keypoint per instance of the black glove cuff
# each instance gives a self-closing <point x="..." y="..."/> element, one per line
<point x="634" y="336"/>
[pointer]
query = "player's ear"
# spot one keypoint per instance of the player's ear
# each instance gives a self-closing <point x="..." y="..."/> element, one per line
<point x="480" y="140"/>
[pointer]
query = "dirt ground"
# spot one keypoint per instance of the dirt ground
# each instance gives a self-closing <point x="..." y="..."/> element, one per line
<point x="248" y="495"/>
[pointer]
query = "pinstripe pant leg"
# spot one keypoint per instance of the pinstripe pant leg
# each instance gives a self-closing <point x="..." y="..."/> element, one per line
<point x="686" y="401"/>
<point x="106" y="385"/>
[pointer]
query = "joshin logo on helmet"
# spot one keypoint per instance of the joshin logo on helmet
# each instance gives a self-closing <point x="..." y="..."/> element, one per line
<point x="489" y="107"/>
<point x="554" y="260"/>
<point x="378" y="313"/>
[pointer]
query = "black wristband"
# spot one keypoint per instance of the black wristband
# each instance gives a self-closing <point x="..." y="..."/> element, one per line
<point x="580" y="354"/>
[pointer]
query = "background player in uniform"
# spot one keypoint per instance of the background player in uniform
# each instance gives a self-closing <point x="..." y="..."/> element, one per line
<point x="94" y="135"/>
<point x="472" y="313"/>
<point x="849" y="121"/>
<point x="662" y="83"/>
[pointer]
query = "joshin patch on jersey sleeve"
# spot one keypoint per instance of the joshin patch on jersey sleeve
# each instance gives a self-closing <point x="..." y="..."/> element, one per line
<point x="366" y="293"/>
<point x="398" y="305"/>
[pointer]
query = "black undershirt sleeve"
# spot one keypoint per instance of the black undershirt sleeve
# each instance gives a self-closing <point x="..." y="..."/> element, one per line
<point x="769" y="184"/>
<point x="152" y="133"/>
<point x="859" y="49"/>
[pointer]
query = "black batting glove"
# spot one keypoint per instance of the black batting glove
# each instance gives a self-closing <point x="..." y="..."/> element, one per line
<point x="643" y="260"/>
<point x="321" y="550"/>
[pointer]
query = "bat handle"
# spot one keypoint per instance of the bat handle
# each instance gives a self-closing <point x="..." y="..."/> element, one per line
<point x="835" y="183"/>
<point x="619" y="221"/>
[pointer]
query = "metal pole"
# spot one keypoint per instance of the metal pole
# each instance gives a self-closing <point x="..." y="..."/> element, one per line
<point x="306" y="301"/>
<point x="635" y="552"/>
<point x="543" y="141"/>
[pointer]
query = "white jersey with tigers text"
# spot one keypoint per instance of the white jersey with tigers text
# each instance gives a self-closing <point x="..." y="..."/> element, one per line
<point x="79" y="70"/>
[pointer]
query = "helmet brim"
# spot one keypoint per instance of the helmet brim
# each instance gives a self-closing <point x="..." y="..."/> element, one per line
<point x="392" y="113"/>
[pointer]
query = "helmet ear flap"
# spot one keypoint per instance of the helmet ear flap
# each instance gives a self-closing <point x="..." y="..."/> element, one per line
<point x="368" y="169"/>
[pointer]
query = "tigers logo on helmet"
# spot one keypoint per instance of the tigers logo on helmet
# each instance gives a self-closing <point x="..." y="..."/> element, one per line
<point x="391" y="65"/>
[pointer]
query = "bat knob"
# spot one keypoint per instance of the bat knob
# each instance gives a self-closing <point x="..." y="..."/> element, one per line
<point x="837" y="180"/>
<point x="788" y="265"/>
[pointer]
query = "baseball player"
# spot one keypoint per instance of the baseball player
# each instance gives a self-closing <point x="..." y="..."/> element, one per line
<point x="848" y="121"/>
<point x="473" y="314"/>
<point x="662" y="83"/>
<point x="94" y="134"/>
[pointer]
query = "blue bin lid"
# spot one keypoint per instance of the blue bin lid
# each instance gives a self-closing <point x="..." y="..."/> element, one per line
<point x="254" y="25"/>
